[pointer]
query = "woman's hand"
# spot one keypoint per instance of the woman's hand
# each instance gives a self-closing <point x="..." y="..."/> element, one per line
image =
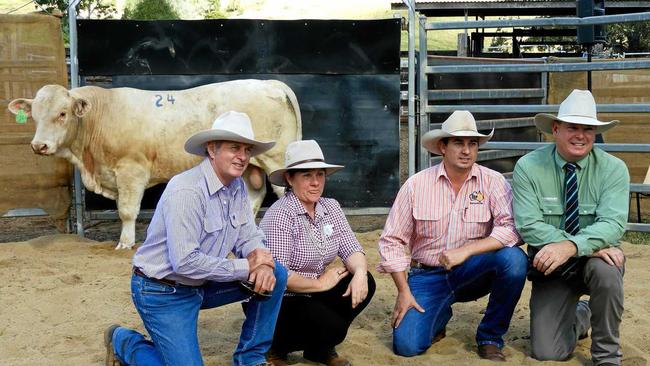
<point x="331" y="277"/>
<point x="358" y="288"/>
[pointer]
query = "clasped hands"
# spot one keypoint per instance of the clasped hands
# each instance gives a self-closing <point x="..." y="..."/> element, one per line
<point x="357" y="289"/>
<point x="260" y="270"/>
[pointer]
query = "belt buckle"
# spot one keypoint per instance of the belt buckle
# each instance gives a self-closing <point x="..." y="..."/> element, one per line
<point x="416" y="264"/>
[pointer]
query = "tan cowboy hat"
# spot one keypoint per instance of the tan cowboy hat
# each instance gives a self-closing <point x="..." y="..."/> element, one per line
<point x="305" y="154"/>
<point x="459" y="124"/>
<point x="579" y="108"/>
<point x="229" y="126"/>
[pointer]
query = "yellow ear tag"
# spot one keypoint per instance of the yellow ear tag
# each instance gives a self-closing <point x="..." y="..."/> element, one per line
<point x="21" y="117"/>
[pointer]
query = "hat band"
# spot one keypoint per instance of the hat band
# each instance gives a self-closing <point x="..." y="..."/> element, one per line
<point x="305" y="161"/>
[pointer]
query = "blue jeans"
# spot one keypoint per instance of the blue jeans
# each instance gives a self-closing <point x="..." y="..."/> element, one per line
<point x="170" y="315"/>
<point x="501" y="273"/>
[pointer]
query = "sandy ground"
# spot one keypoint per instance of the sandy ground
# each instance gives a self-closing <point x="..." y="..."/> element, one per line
<point x="59" y="292"/>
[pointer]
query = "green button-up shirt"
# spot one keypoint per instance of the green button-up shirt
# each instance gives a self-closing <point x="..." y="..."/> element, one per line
<point x="603" y="196"/>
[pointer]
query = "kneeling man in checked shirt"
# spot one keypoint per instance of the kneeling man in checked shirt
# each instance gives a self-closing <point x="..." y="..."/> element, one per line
<point x="453" y="225"/>
<point x="571" y="207"/>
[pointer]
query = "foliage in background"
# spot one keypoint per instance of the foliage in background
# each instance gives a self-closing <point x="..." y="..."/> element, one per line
<point x="149" y="10"/>
<point x="637" y="238"/>
<point x="95" y="9"/>
<point x="621" y="37"/>
<point x="215" y="11"/>
<point x="629" y="37"/>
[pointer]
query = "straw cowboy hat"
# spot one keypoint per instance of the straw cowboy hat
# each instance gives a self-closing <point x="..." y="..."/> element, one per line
<point x="459" y="124"/>
<point x="579" y="108"/>
<point x="229" y="126"/>
<point x="305" y="154"/>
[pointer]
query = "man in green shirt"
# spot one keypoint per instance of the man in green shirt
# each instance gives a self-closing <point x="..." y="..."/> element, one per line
<point x="571" y="208"/>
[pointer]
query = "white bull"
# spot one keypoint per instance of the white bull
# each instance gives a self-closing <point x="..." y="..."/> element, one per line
<point x="124" y="140"/>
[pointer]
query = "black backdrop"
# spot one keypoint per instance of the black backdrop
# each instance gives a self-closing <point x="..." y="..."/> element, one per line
<point x="345" y="74"/>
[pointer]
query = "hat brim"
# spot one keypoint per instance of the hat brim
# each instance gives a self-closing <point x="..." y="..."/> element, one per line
<point x="277" y="176"/>
<point x="431" y="138"/>
<point x="196" y="143"/>
<point x="544" y="122"/>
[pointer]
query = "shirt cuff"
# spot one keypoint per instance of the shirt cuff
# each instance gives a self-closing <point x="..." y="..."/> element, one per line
<point x="394" y="265"/>
<point x="240" y="269"/>
<point x="582" y="244"/>
<point x="507" y="238"/>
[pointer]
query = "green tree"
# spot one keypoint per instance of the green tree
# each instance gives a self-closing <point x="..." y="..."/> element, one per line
<point x="87" y="9"/>
<point x="150" y="10"/>
<point x="213" y="10"/>
<point x="629" y="37"/>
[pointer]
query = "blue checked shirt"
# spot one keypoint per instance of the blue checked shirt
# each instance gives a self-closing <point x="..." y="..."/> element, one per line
<point x="197" y="223"/>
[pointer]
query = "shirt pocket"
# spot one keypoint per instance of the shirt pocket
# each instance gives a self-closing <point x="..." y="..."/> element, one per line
<point x="587" y="213"/>
<point x="552" y="209"/>
<point x="430" y="223"/>
<point x="477" y="221"/>
<point x="212" y="224"/>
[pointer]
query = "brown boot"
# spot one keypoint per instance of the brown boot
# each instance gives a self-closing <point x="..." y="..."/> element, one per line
<point x="331" y="358"/>
<point x="491" y="352"/>
<point x="276" y="359"/>
<point x="111" y="360"/>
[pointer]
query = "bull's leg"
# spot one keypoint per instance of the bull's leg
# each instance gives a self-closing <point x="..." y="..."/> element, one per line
<point x="131" y="180"/>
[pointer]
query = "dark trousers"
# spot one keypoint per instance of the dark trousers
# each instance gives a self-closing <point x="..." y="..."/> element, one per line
<point x="319" y="322"/>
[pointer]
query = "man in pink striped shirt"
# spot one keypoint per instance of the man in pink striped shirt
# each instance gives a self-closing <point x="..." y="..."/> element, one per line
<point x="452" y="224"/>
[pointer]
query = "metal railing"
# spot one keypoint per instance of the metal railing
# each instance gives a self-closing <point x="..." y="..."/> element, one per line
<point x="423" y="94"/>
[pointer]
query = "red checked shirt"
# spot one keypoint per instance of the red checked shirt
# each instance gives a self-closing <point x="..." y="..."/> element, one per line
<point x="429" y="218"/>
<point x="303" y="245"/>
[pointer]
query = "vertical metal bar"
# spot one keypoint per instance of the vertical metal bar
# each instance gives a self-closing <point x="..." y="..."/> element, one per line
<point x="74" y="82"/>
<point x="411" y="87"/>
<point x="638" y="208"/>
<point x="589" y="71"/>
<point x="544" y="82"/>
<point x="423" y="85"/>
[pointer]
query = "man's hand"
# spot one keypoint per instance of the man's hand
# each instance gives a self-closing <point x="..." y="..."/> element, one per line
<point x="259" y="257"/>
<point x="553" y="255"/>
<point x="358" y="288"/>
<point x="453" y="257"/>
<point x="613" y="256"/>
<point x="331" y="277"/>
<point x="404" y="302"/>
<point x="263" y="278"/>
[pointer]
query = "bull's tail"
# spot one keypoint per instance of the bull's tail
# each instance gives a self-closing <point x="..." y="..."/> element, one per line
<point x="292" y="102"/>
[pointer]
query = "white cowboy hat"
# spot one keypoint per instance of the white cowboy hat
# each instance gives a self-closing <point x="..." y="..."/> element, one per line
<point x="229" y="126"/>
<point x="459" y="124"/>
<point x="579" y="108"/>
<point x="305" y="154"/>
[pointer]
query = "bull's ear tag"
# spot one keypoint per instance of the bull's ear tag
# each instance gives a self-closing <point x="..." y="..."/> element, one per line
<point x="21" y="117"/>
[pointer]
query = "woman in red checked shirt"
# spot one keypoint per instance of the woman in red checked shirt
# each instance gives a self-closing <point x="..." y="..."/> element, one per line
<point x="306" y="232"/>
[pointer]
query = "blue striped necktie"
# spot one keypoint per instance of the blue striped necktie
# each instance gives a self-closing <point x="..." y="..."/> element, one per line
<point x="571" y="214"/>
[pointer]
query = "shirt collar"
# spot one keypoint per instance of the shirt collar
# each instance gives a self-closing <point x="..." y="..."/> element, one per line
<point x="443" y="173"/>
<point x="560" y="162"/>
<point x="212" y="181"/>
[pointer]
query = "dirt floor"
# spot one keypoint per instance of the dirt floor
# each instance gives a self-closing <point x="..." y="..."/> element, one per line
<point x="59" y="292"/>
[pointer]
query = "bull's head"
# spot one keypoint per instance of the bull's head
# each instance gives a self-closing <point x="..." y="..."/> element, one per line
<point x="56" y="113"/>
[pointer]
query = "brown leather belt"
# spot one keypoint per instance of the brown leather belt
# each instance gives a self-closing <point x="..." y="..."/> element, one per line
<point x="138" y="272"/>
<point x="416" y="264"/>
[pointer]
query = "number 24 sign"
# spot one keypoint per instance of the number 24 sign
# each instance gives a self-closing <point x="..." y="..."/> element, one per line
<point x="160" y="101"/>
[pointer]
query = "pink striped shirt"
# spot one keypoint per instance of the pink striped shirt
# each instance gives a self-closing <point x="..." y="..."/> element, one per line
<point x="428" y="217"/>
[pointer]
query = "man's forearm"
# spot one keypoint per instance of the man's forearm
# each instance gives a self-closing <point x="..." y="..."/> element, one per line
<point x="485" y="245"/>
